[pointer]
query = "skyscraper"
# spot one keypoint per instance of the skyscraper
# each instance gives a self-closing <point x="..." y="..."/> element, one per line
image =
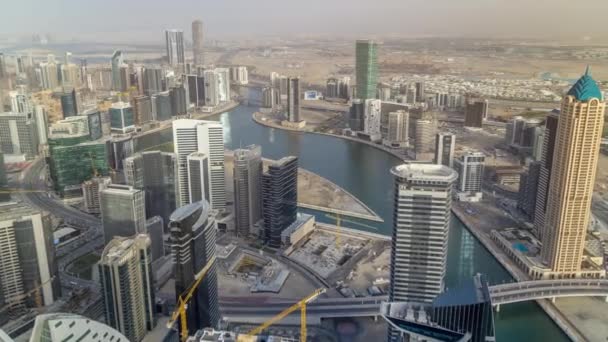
<point x="366" y="69"/>
<point x="247" y="188"/>
<point x="445" y="144"/>
<point x="426" y="129"/>
<point x="199" y="187"/>
<point x="153" y="80"/>
<point x="4" y="196"/>
<point x="279" y="198"/>
<point x="528" y="190"/>
<point x="123" y="211"/>
<point x="28" y="259"/>
<point x="293" y="99"/>
<point x="197" y="42"/>
<point x="90" y="193"/>
<point x="356" y="117"/>
<point x="577" y="144"/>
<point x="475" y="112"/>
<point x="117" y="63"/>
<point x="122" y="119"/>
<point x="69" y="103"/>
<point x="142" y="112"/>
<point x="127" y="287"/>
<point x="18" y="134"/>
<point x="470" y="168"/>
<point x="544" y="177"/>
<point x="371" y="123"/>
<point x="205" y="137"/>
<point x="193" y="235"/>
<point x="162" y="103"/>
<point x="421" y="221"/>
<point x="175" y="47"/>
<point x="154" y="172"/>
<point x="398" y="128"/>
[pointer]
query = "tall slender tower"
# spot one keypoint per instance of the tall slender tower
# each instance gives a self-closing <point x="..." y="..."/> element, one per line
<point x="175" y="47"/>
<point x="206" y="137"/>
<point x="422" y="204"/>
<point x="197" y="42"/>
<point x="117" y="63"/>
<point x="579" y="132"/>
<point x="125" y="272"/>
<point x="293" y="99"/>
<point x="247" y="188"/>
<point x="366" y="69"/>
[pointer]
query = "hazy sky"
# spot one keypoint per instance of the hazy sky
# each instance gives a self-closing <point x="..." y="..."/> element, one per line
<point x="146" y="18"/>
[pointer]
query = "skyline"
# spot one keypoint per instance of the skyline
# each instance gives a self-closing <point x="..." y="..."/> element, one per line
<point x="240" y="18"/>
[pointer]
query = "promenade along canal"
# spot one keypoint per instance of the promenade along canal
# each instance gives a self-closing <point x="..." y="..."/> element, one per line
<point x="364" y="171"/>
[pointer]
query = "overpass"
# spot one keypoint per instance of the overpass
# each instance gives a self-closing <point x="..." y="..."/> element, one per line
<point x="257" y="310"/>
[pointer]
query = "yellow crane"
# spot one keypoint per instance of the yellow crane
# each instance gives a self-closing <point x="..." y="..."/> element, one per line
<point x="184" y="298"/>
<point x="16" y="299"/>
<point x="299" y="305"/>
<point x="339" y="220"/>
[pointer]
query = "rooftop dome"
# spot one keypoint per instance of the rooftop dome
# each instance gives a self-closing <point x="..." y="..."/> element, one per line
<point x="586" y="88"/>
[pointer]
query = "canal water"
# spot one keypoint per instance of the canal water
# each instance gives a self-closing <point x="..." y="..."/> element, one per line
<point x="364" y="171"/>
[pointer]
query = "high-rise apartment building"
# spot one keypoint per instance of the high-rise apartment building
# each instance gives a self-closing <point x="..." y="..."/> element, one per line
<point x="193" y="234"/>
<point x="470" y="167"/>
<point x="175" y="47"/>
<point x="422" y="204"/>
<point x="127" y="288"/>
<point x="366" y="66"/>
<point x="475" y="112"/>
<point x="153" y="80"/>
<point x="356" y="117"/>
<point x="576" y="153"/>
<point x="69" y="103"/>
<point x="18" y="134"/>
<point x="528" y="190"/>
<point x="162" y="108"/>
<point x="279" y="198"/>
<point x="206" y="137"/>
<point x="197" y="42"/>
<point x="397" y="129"/>
<point x="239" y="75"/>
<point x="445" y="145"/>
<point x="247" y="188"/>
<point x="544" y="177"/>
<point x="155" y="173"/>
<point x="29" y="270"/>
<point x="199" y="186"/>
<point x="142" y="109"/>
<point x="117" y="63"/>
<point x="371" y="123"/>
<point x="123" y="211"/>
<point x="425" y="129"/>
<point x="90" y="193"/>
<point x="122" y="119"/>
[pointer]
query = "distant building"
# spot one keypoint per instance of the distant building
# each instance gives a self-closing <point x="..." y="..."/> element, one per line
<point x="470" y="167"/>
<point x="247" y="188"/>
<point x="122" y="119"/>
<point x="528" y="190"/>
<point x="193" y="236"/>
<point x="18" y="135"/>
<point x="123" y="211"/>
<point x="142" y="109"/>
<point x="94" y="120"/>
<point x="239" y="75"/>
<point x="356" y="118"/>
<point x="293" y="99"/>
<point x="153" y="80"/>
<point x="421" y="191"/>
<point x="366" y="69"/>
<point x="420" y="93"/>
<point x="30" y="277"/>
<point x="279" y="198"/>
<point x="69" y="103"/>
<point x="445" y="145"/>
<point x="179" y="102"/>
<point x="120" y="147"/>
<point x="475" y="113"/>
<point x="41" y="120"/>
<point x="4" y="196"/>
<point x="575" y="159"/>
<point x="371" y="124"/>
<point x="206" y="137"/>
<point x="398" y="129"/>
<point x="163" y="106"/>
<point x="155" y="228"/>
<point x="59" y="327"/>
<point x="199" y="177"/>
<point x="197" y="42"/>
<point x="175" y="47"/>
<point x="337" y="88"/>
<point x="90" y="193"/>
<point x="270" y="97"/>
<point x="117" y="63"/>
<point x="425" y="135"/>
<point x="154" y="172"/>
<point x="127" y="288"/>
<point x="544" y="177"/>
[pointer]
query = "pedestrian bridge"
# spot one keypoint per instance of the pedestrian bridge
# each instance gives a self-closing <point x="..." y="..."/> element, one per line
<point x="540" y="289"/>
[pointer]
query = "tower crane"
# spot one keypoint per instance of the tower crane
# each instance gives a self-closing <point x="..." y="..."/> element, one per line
<point x="184" y="298"/>
<point x="299" y="305"/>
<point x="15" y="299"/>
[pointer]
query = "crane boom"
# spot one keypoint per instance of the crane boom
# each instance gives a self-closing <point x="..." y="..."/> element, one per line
<point x="180" y="309"/>
<point x="299" y="305"/>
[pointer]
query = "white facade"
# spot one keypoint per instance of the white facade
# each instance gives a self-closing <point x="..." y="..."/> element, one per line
<point x="70" y="126"/>
<point x="239" y="75"/>
<point x="175" y="47"/>
<point x="41" y="124"/>
<point x="371" y="125"/>
<point x="421" y="227"/>
<point x="398" y="128"/>
<point x="206" y="137"/>
<point x="58" y="327"/>
<point x="470" y="176"/>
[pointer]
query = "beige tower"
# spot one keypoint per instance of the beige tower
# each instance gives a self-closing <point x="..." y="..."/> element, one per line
<point x="572" y="177"/>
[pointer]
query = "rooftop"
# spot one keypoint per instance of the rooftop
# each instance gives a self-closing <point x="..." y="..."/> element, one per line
<point x="426" y="172"/>
<point x="586" y="88"/>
